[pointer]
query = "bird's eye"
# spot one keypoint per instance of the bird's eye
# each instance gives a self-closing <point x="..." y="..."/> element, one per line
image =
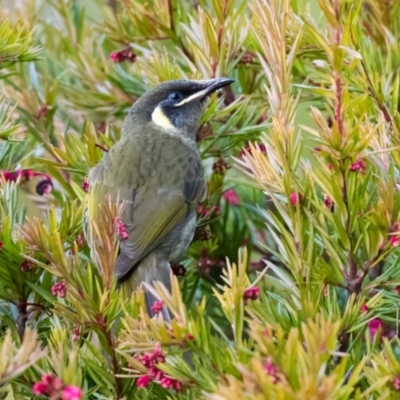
<point x="175" y="96"/>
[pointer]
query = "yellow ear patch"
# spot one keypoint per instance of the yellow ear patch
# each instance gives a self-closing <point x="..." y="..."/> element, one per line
<point x="160" y="119"/>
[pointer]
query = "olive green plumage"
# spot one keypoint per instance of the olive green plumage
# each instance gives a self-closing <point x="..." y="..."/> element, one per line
<point x="156" y="168"/>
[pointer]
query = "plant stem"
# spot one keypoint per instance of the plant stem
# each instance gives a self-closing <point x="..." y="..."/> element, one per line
<point x="114" y="361"/>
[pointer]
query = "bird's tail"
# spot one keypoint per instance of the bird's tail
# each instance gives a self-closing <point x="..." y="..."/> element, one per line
<point x="150" y="269"/>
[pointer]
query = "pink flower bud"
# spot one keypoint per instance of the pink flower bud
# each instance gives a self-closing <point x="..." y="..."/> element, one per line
<point x="231" y="197"/>
<point x="123" y="55"/>
<point x="26" y="266"/>
<point x="394" y="241"/>
<point x="251" y="293"/>
<point x="397" y="290"/>
<point x="42" y="112"/>
<point x="143" y="381"/>
<point x="296" y="198"/>
<point x="121" y="229"/>
<point x="59" y="288"/>
<point x="39" y="388"/>
<point x="364" y="308"/>
<point x="157" y="306"/>
<point x="85" y="186"/>
<point x="358" y="166"/>
<point x="71" y="393"/>
<point x="373" y="327"/>
<point x="396" y="383"/>
<point x="271" y="370"/>
<point x="330" y="205"/>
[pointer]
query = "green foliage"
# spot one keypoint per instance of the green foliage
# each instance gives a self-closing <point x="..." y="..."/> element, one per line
<point x="293" y="282"/>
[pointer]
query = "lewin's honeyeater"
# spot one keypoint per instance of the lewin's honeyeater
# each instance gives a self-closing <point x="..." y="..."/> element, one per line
<point x="156" y="168"/>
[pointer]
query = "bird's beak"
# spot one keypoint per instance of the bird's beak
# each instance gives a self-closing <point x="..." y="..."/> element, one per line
<point x="209" y="86"/>
<point x="213" y="85"/>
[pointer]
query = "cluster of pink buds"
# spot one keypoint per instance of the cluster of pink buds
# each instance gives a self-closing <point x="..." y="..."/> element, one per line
<point x="358" y="166"/>
<point x="45" y="185"/>
<point x="157" y="306"/>
<point x="150" y="361"/>
<point x="206" y="263"/>
<point x="251" y="293"/>
<point x="54" y="388"/>
<point x="231" y="197"/>
<point x="123" y="55"/>
<point x="271" y="369"/>
<point x="220" y="166"/>
<point x="121" y="229"/>
<point x="59" y="288"/>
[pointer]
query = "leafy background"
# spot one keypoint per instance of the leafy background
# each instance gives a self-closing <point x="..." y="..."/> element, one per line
<point x="292" y="286"/>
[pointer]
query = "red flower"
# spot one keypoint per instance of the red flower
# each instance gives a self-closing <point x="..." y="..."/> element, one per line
<point x="76" y="333"/>
<point x="157" y="306"/>
<point x="364" y="308"/>
<point x="19" y="174"/>
<point x="123" y="55"/>
<point x="296" y="198"/>
<point x="26" y="266"/>
<point x="1" y="244"/>
<point x="394" y="240"/>
<point x="373" y="327"/>
<point x="271" y="370"/>
<point x="396" y="383"/>
<point x="358" y="166"/>
<point x="143" y="381"/>
<point x="169" y="383"/>
<point x="42" y="112"/>
<point x="397" y="290"/>
<point x="39" y="388"/>
<point x="48" y="385"/>
<point x="121" y="229"/>
<point x="71" y="393"/>
<point x="251" y="293"/>
<point x="59" y="288"/>
<point x="329" y="203"/>
<point x="85" y="186"/>
<point x="231" y="197"/>
<point x="151" y="359"/>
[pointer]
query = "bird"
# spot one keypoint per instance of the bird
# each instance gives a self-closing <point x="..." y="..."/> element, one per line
<point x="156" y="169"/>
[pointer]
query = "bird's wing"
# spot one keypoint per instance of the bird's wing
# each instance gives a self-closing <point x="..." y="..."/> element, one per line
<point x="149" y="215"/>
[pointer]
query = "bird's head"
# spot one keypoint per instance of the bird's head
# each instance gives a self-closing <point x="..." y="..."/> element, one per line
<point x="175" y="106"/>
